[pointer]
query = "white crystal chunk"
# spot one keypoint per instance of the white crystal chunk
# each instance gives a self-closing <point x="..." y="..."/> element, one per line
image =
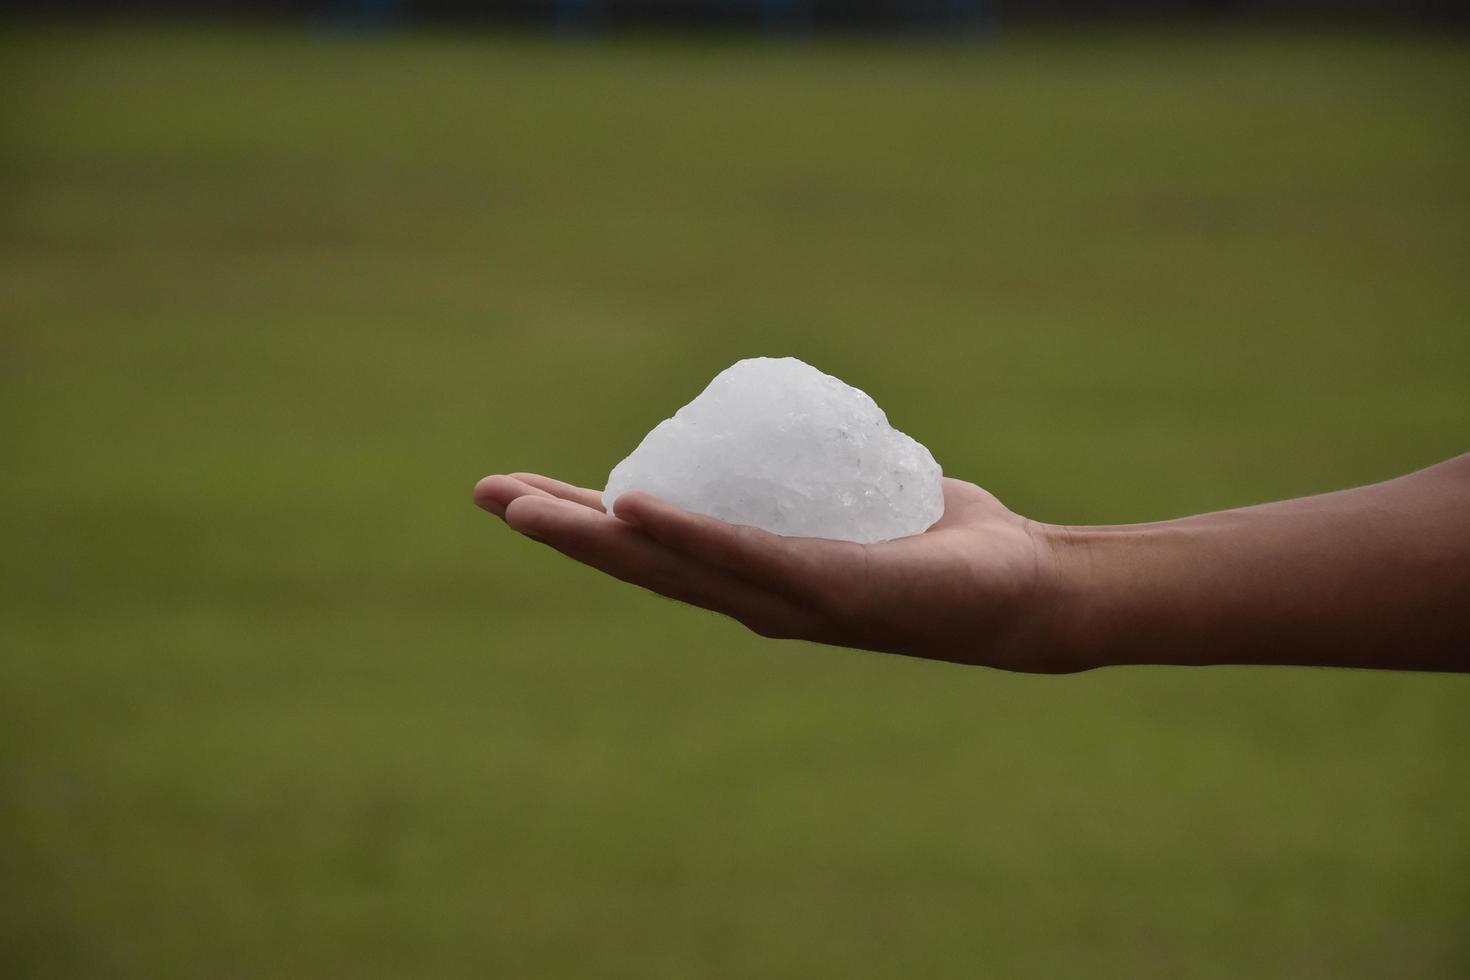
<point x="776" y="444"/>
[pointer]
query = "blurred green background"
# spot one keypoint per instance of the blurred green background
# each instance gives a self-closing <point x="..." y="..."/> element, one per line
<point x="276" y="700"/>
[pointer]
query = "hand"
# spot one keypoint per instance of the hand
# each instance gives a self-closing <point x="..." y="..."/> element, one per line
<point x="975" y="588"/>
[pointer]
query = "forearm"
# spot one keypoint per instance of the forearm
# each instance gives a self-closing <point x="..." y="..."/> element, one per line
<point x="1377" y="576"/>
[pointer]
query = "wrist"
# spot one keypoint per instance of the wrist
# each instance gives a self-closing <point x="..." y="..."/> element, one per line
<point x="1074" y="607"/>
<point x="1057" y="629"/>
<point x="1129" y="594"/>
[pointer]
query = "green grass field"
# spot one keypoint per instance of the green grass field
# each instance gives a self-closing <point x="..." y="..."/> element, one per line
<point x="276" y="701"/>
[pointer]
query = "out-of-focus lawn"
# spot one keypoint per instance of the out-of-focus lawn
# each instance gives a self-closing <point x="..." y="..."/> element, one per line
<point x="275" y="700"/>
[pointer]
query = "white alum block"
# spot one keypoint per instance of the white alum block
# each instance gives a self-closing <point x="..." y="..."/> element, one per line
<point x="776" y="444"/>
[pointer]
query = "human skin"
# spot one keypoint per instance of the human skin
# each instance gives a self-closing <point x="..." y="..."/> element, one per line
<point x="1375" y="576"/>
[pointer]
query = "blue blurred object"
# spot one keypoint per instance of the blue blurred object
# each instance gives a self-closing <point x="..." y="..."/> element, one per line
<point x="572" y="14"/>
<point x="780" y="16"/>
<point x="784" y="15"/>
<point x="367" y="13"/>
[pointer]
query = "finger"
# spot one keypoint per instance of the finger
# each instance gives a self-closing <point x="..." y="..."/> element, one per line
<point x="494" y="493"/>
<point x="566" y="491"/>
<point x="624" y="552"/>
<point x="963" y="502"/>
<point x="785" y="564"/>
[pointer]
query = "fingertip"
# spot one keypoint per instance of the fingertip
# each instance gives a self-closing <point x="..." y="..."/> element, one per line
<point x="633" y="506"/>
<point x="620" y="508"/>
<point x="497" y="492"/>
<point x="494" y="492"/>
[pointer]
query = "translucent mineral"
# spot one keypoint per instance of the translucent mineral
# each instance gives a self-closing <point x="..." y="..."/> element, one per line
<point x="776" y="444"/>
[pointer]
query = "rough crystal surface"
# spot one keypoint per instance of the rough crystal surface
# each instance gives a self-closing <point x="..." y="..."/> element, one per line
<point x="776" y="444"/>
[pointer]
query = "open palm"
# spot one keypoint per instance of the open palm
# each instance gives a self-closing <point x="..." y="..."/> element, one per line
<point x="964" y="590"/>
